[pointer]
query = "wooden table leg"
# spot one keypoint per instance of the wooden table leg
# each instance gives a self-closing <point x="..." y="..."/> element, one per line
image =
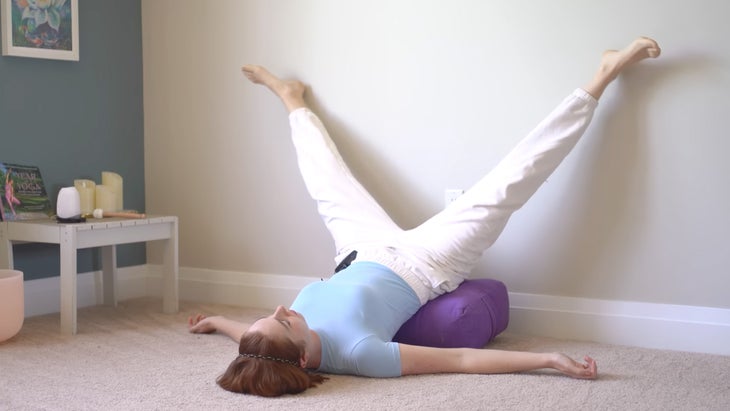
<point x="170" y="297"/>
<point x="68" y="280"/>
<point x="109" y="274"/>
<point x="6" y="249"/>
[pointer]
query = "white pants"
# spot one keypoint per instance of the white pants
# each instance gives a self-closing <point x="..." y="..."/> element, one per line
<point x="438" y="255"/>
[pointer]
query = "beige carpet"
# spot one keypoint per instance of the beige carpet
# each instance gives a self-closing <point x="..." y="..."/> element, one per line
<point x="135" y="358"/>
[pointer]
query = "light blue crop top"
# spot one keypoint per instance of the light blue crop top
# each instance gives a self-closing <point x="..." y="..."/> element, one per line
<point x="356" y="314"/>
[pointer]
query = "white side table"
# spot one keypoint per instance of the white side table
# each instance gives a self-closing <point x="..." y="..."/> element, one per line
<point x="106" y="233"/>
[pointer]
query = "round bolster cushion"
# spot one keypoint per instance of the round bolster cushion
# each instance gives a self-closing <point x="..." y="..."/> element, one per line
<point x="470" y="316"/>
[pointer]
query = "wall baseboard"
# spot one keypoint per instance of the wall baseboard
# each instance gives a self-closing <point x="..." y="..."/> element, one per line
<point x="659" y="326"/>
<point x="43" y="296"/>
<point x="650" y="325"/>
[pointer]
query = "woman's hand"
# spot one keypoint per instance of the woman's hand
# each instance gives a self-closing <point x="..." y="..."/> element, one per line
<point x="575" y="369"/>
<point x="200" y="324"/>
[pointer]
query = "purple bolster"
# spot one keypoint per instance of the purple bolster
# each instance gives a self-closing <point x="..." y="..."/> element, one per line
<point x="470" y="316"/>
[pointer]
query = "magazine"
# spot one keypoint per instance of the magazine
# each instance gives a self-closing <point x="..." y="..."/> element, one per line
<point x="23" y="194"/>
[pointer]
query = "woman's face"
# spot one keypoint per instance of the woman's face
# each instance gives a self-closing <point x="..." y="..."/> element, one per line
<point x="284" y="323"/>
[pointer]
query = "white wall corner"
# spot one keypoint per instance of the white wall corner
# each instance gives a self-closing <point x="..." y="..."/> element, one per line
<point x="659" y="326"/>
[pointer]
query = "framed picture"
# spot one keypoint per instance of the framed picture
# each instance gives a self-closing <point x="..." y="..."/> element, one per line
<point x="47" y="29"/>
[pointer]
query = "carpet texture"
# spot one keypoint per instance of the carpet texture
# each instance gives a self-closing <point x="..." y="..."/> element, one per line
<point x="133" y="357"/>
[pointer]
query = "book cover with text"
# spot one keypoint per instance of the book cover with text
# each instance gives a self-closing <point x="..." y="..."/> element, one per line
<point x="24" y="195"/>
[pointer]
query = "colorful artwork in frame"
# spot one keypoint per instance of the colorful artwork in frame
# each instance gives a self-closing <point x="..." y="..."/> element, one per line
<point x="46" y="29"/>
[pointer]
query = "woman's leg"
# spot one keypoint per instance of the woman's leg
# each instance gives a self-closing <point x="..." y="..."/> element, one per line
<point x="350" y="213"/>
<point x="452" y="242"/>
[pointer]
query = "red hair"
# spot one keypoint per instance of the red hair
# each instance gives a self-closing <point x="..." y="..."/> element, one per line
<point x="268" y="377"/>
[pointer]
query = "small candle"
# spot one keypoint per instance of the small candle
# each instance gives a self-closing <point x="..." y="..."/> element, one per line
<point x="106" y="199"/>
<point x="87" y="194"/>
<point x="115" y="184"/>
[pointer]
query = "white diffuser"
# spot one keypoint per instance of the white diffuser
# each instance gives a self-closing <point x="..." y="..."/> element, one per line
<point x="68" y="204"/>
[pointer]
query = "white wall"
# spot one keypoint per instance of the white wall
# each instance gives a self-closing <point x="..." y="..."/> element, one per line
<point x="427" y="95"/>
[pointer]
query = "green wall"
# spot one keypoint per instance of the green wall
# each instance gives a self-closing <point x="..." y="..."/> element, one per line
<point x="77" y="119"/>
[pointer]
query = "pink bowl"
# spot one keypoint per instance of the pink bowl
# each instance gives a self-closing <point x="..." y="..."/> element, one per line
<point x="11" y="303"/>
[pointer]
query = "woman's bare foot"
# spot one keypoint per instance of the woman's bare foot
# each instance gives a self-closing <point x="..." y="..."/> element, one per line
<point x="291" y="92"/>
<point x="615" y="61"/>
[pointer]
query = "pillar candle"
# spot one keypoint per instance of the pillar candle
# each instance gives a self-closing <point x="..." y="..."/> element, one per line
<point x="87" y="194"/>
<point x="115" y="184"/>
<point x="106" y="199"/>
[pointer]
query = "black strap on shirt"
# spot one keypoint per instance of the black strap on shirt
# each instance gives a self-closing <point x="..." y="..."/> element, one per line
<point x="346" y="262"/>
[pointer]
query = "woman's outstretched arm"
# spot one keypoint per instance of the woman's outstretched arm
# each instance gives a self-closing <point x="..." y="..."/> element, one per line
<point x="429" y="360"/>
<point x="200" y="324"/>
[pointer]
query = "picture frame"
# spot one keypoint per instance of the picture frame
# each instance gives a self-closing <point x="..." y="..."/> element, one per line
<point x="46" y="29"/>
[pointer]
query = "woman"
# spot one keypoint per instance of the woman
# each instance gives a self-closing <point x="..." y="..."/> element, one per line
<point x="352" y="318"/>
<point x="10" y="191"/>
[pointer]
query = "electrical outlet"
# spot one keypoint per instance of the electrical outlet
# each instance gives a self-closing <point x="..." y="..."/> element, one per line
<point x="452" y="194"/>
